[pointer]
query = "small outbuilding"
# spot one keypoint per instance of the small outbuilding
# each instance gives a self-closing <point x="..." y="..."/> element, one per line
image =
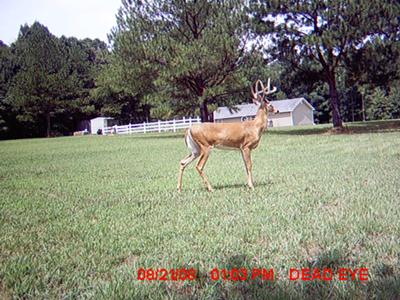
<point x="100" y="123"/>
<point x="292" y="112"/>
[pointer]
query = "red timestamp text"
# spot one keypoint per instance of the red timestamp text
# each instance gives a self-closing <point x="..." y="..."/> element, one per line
<point x="164" y="274"/>
<point x="242" y="274"/>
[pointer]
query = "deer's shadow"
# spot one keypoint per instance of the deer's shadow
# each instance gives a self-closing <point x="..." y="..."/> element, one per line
<point x="242" y="185"/>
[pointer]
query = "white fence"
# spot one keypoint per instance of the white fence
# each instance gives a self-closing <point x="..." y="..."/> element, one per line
<point x="160" y="126"/>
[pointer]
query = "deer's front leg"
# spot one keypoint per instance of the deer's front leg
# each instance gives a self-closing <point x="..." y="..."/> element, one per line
<point x="248" y="164"/>
<point x="205" y="152"/>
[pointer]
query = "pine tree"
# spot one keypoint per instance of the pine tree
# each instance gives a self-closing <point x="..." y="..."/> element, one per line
<point x="38" y="88"/>
<point x="50" y="89"/>
<point x="188" y="53"/>
<point x="7" y="71"/>
<point x="324" y="32"/>
<point x="84" y="60"/>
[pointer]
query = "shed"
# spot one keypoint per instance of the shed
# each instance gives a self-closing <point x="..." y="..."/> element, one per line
<point x="100" y="123"/>
<point x="292" y="112"/>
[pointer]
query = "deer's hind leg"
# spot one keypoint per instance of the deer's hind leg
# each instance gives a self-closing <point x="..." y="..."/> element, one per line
<point x="183" y="164"/>
<point x="205" y="153"/>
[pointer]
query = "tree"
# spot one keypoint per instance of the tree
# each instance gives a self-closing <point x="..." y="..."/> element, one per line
<point x="187" y="53"/>
<point x="7" y="71"/>
<point x="373" y="70"/>
<point x="38" y="88"/>
<point x="52" y="79"/>
<point x="323" y="32"/>
<point x="117" y="95"/>
<point x="84" y="60"/>
<point x="382" y="106"/>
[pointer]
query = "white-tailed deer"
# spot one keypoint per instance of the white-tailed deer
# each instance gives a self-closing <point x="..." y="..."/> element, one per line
<point x="200" y="139"/>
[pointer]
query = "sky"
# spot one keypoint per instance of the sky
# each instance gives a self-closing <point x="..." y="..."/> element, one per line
<point x="78" y="18"/>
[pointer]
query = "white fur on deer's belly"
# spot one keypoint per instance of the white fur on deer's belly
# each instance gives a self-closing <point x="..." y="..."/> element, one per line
<point x="223" y="147"/>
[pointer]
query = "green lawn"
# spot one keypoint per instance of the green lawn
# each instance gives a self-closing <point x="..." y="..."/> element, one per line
<point x="80" y="215"/>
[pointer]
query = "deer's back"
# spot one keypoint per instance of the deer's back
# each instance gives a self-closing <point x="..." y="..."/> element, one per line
<point x="230" y="135"/>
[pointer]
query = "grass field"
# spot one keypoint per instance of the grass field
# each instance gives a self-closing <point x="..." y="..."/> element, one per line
<point x="79" y="216"/>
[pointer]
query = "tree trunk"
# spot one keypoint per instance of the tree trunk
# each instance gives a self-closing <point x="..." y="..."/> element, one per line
<point x="363" y="107"/>
<point x="204" y="115"/>
<point x="48" y="124"/>
<point x="334" y="101"/>
<point x="352" y="105"/>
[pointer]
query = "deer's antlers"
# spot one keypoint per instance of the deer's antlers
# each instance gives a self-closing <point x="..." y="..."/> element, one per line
<point x="264" y="91"/>
<point x="268" y="90"/>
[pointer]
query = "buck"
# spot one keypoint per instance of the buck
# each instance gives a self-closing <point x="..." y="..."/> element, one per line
<point x="245" y="136"/>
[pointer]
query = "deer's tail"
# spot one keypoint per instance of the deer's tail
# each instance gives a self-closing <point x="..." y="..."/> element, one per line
<point x="190" y="142"/>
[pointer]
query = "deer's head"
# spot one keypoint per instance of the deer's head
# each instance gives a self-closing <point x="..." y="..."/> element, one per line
<point x="259" y="96"/>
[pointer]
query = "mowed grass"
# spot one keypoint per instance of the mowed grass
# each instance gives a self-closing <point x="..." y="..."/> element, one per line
<point x="79" y="216"/>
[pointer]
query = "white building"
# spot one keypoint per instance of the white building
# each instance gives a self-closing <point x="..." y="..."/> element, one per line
<point x="292" y="112"/>
<point x="100" y="123"/>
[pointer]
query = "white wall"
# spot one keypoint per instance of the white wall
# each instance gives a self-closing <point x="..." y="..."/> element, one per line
<point x="303" y="115"/>
<point x="229" y="120"/>
<point x="278" y="120"/>
<point x="281" y="119"/>
<point x="97" y="123"/>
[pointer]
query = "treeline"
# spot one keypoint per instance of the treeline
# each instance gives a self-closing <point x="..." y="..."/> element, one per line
<point x="178" y="58"/>
<point x="48" y="85"/>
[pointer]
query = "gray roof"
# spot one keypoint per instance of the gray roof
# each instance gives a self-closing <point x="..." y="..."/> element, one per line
<point x="244" y="110"/>
<point x="104" y="118"/>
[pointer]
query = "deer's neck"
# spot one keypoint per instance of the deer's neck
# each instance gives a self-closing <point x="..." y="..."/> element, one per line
<point x="261" y="119"/>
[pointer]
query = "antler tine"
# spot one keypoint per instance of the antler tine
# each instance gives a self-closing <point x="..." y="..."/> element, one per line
<point x="268" y="90"/>
<point x="256" y="92"/>
<point x="259" y="82"/>
<point x="253" y="93"/>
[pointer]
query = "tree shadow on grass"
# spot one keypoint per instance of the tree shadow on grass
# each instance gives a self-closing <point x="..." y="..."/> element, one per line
<point x="375" y="126"/>
<point x="349" y="128"/>
<point x="254" y="287"/>
<point x="299" y="131"/>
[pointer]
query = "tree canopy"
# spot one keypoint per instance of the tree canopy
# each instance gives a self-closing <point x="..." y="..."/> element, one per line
<point x="324" y="32"/>
<point x="45" y="79"/>
<point x="175" y="58"/>
<point x="187" y="53"/>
